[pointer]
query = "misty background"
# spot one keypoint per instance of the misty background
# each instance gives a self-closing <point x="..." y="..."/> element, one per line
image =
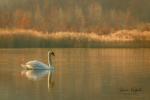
<point x="74" y="15"/>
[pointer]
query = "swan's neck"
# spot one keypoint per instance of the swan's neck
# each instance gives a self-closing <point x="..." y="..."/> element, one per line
<point x="49" y="60"/>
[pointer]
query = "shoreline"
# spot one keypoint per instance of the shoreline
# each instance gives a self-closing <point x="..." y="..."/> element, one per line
<point x="20" y="38"/>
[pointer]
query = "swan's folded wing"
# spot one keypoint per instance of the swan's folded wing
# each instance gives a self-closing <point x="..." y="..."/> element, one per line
<point x="36" y="65"/>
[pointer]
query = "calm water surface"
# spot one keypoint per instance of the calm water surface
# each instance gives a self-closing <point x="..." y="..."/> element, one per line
<point x="81" y="74"/>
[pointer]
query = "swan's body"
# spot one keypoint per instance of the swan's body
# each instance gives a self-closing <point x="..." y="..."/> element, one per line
<point x="35" y="64"/>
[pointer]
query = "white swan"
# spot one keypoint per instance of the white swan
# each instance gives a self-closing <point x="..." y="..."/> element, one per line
<point x="35" y="64"/>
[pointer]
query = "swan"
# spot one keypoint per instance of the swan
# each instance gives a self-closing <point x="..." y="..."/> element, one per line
<point x="35" y="64"/>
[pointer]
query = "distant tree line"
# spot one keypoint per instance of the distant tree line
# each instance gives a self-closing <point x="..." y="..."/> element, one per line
<point x="101" y="16"/>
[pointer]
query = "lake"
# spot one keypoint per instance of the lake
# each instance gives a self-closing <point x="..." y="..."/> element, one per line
<point x="80" y="74"/>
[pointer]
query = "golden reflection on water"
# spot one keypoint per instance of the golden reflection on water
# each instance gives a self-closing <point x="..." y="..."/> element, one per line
<point x="81" y="74"/>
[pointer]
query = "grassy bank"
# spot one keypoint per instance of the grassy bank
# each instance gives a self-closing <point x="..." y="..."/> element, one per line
<point x="19" y="38"/>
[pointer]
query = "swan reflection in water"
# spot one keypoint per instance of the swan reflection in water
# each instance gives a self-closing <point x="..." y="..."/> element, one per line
<point x="39" y="74"/>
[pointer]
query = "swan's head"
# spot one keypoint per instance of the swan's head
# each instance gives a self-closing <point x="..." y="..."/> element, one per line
<point x="51" y="53"/>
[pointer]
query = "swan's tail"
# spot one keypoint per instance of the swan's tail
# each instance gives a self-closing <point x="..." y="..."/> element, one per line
<point x="24" y="66"/>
